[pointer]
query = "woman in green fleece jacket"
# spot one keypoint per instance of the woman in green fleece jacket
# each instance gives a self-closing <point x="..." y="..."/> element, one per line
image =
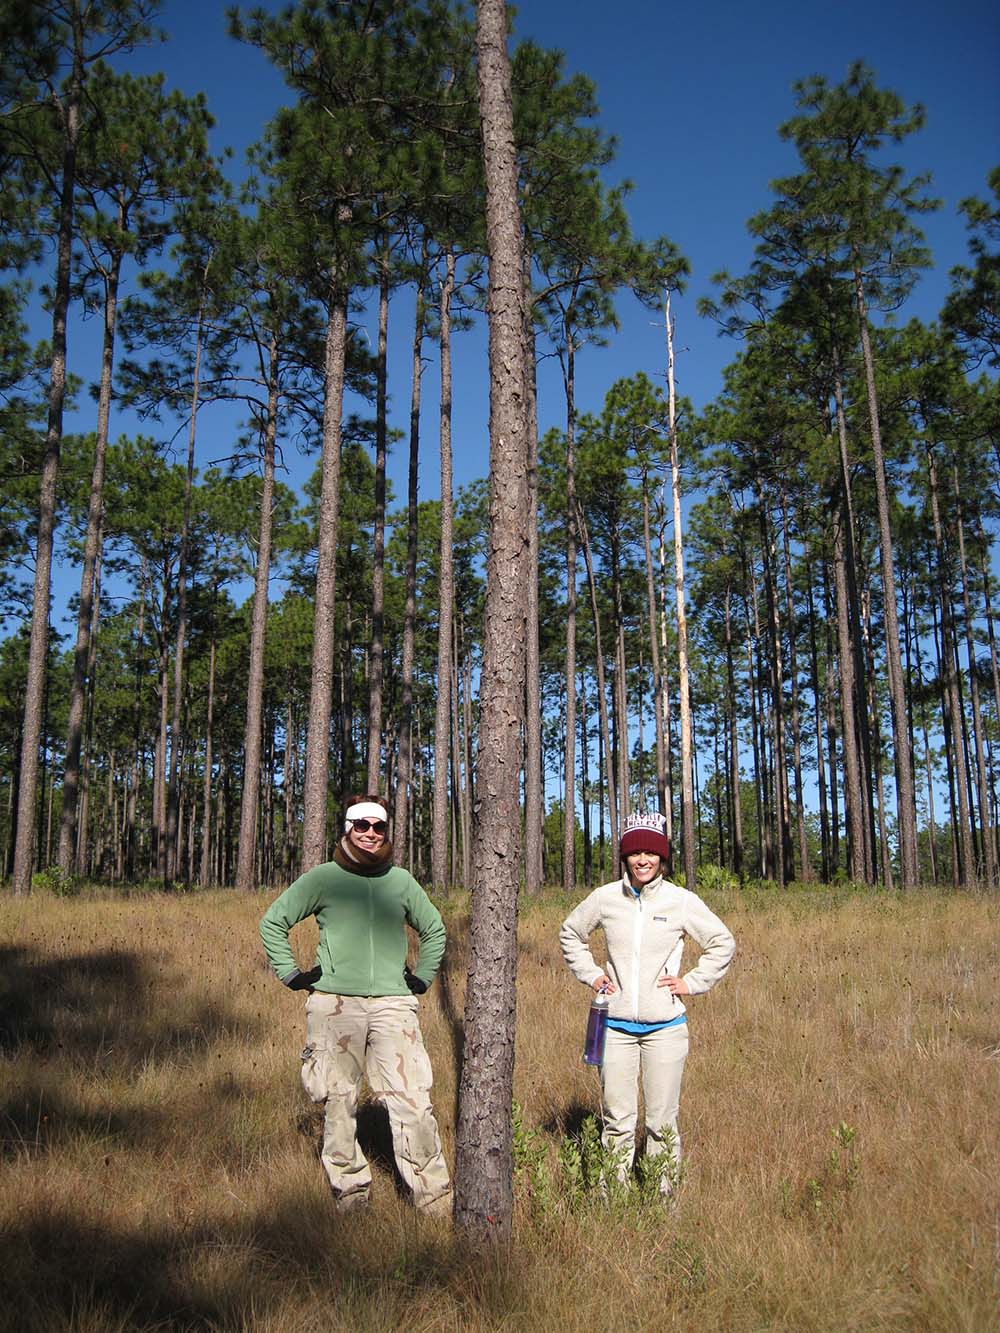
<point x="361" y="1014"/>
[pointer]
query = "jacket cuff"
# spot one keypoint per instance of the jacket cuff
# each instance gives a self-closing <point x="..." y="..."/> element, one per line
<point x="287" y="981"/>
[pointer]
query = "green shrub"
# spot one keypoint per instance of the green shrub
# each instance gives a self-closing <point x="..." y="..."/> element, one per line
<point x="53" y="880"/>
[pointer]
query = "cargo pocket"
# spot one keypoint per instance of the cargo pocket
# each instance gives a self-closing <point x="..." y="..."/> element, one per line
<point x="415" y="1064"/>
<point x="315" y="1071"/>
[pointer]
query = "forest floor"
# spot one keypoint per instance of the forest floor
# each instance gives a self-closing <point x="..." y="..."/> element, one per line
<point x="840" y="1114"/>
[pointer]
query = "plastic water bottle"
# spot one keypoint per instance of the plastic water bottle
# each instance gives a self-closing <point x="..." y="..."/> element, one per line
<point x="597" y="1030"/>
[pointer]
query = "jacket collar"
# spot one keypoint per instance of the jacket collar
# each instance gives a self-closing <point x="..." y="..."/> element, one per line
<point x="645" y="890"/>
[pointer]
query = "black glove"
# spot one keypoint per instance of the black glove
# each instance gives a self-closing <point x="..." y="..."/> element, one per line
<point x="415" y="984"/>
<point x="303" y="980"/>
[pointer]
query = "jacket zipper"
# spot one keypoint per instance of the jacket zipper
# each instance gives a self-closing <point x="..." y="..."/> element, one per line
<point x="636" y="956"/>
<point x="371" y="939"/>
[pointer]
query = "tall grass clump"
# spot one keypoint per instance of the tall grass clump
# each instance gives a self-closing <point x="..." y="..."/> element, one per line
<point x="160" y="1162"/>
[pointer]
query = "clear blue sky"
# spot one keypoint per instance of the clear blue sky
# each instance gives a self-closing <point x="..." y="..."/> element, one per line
<point x="694" y="95"/>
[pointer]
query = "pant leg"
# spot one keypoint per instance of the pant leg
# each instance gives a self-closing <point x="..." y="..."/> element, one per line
<point x="399" y="1071"/>
<point x="663" y="1054"/>
<point x="620" y="1092"/>
<point x="332" y="1067"/>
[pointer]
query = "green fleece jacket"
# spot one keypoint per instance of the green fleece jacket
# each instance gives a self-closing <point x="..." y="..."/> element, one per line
<point x="362" y="929"/>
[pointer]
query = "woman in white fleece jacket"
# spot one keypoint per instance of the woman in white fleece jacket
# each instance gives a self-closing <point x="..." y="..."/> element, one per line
<point x="645" y="919"/>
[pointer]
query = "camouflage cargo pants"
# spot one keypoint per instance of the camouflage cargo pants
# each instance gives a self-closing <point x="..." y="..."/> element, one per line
<point x="349" y="1036"/>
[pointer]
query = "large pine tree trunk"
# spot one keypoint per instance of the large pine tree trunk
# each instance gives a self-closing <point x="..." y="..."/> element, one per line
<point x="602" y="695"/>
<point x="314" y="796"/>
<point x="205" y="867"/>
<point x="458" y="815"/>
<point x="160" y="769"/>
<point x="990" y="632"/>
<point x="620" y="693"/>
<point x="404" y="743"/>
<point x="446" y="601"/>
<point x="906" y="808"/>
<point x="668" y="776"/>
<point x="654" y="648"/>
<point x="736" y="804"/>
<point x="131" y="857"/>
<point x="762" y="807"/>
<point x="258" y="633"/>
<point x="859" y="867"/>
<point x="376" y="649"/>
<point x="91" y="554"/>
<point x="683" y="681"/>
<point x="534" y="791"/>
<point x="966" y="863"/>
<point x="982" y="784"/>
<point x="569" y="760"/>
<point x="784" y="861"/>
<point x="826" y="866"/>
<point x="484" y="1165"/>
<point x="81" y="850"/>
<point x="176" y="738"/>
<point x="928" y="762"/>
<point x="855" y="732"/>
<point x="38" y="648"/>
<point x="468" y="772"/>
<point x="800" y="814"/>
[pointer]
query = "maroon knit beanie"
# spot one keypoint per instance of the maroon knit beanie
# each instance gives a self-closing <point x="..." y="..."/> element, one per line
<point x="644" y="833"/>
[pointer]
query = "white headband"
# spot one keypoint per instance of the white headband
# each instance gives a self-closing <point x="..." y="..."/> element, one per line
<point x="364" y="810"/>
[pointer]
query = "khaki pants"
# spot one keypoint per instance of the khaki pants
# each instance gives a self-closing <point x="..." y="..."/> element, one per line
<point x="350" y="1036"/>
<point x="657" y="1058"/>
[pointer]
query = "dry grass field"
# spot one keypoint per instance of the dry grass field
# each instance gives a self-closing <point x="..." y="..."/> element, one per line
<point x="840" y="1117"/>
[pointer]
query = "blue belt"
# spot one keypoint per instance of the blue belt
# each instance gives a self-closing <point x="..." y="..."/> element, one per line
<point x="640" y="1029"/>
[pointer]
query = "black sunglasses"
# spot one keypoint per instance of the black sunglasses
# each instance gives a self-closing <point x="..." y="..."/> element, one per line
<point x="363" y="825"/>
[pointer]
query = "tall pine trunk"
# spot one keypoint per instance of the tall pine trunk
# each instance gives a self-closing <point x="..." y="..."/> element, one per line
<point x="906" y="808"/>
<point x="91" y="555"/>
<point x="534" y="789"/>
<point x="404" y="743"/>
<point x="376" y="650"/>
<point x="176" y="739"/>
<point x="982" y="784"/>
<point x="602" y="695"/>
<point x="446" y="598"/>
<point x="654" y="648"/>
<point x="965" y="862"/>
<point x="683" y="680"/>
<point x="38" y="648"/>
<point x="314" y="796"/>
<point x="205" y="866"/>
<point x="484" y="1146"/>
<point x="252" y="736"/>
<point x="569" y="761"/>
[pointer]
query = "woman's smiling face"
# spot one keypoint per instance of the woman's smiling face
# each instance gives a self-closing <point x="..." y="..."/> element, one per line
<point x="367" y="837"/>
<point x="642" y="867"/>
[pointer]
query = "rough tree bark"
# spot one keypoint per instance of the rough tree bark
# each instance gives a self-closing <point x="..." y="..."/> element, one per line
<point x="321" y="693"/>
<point x="246" y="852"/>
<point x="446" y="594"/>
<point x="484" y="1165"/>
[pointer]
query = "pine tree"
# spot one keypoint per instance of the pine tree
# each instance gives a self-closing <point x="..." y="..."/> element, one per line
<point x="484" y="1163"/>
<point x="47" y="63"/>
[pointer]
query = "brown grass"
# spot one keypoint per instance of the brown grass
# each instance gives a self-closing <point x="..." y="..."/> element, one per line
<point x="159" y="1160"/>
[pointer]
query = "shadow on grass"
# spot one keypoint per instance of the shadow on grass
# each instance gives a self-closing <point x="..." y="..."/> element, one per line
<point x="568" y="1122"/>
<point x="60" y="1271"/>
<point x="36" y="1118"/>
<point x="97" y="1014"/>
<point x="105" y="1004"/>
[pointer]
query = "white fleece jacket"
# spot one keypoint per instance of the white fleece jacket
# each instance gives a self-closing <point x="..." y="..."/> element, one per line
<point x="645" y="939"/>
